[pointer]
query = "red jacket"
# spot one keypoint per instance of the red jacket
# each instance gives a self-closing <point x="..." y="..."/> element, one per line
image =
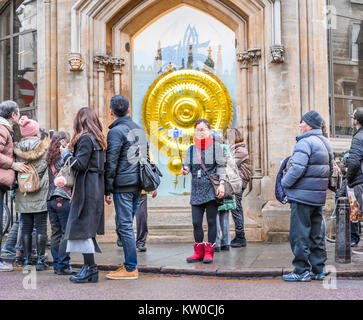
<point x="7" y="175"/>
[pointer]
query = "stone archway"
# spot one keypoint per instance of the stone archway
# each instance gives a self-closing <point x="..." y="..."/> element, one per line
<point x="271" y="95"/>
<point x="106" y="29"/>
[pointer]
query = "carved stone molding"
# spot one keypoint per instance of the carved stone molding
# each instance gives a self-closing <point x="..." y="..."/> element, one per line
<point x="255" y="56"/>
<point x="75" y="61"/>
<point x="277" y="53"/>
<point x="249" y="57"/>
<point x="103" y="61"/>
<point x="243" y="59"/>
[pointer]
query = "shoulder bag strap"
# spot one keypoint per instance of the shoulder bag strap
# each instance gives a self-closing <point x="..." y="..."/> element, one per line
<point x="323" y="143"/>
<point x="54" y="170"/>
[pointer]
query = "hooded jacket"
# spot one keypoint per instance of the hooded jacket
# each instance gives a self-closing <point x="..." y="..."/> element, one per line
<point x="7" y="175"/>
<point x="33" y="150"/>
<point x="307" y="179"/>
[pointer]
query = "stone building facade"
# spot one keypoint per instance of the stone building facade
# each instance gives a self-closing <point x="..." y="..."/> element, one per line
<point x="81" y="55"/>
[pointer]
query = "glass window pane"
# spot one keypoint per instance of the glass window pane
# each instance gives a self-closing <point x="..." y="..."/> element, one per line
<point x="25" y="71"/>
<point x="343" y="111"/>
<point x="347" y="53"/>
<point x="196" y="41"/>
<point x="25" y="15"/>
<point x="5" y="21"/>
<point x="5" y="70"/>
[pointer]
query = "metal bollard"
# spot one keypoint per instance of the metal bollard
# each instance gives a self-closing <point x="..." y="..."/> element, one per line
<point x="342" y="238"/>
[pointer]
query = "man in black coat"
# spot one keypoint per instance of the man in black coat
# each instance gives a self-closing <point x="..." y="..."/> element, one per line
<point x="126" y="141"/>
<point x="355" y="172"/>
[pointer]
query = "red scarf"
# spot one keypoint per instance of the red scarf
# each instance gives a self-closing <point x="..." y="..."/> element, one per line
<point x="203" y="143"/>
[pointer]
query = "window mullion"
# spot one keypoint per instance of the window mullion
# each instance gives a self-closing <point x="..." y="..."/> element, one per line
<point x="11" y="50"/>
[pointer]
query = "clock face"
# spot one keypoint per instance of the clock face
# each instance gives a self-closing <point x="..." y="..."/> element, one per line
<point x="177" y="100"/>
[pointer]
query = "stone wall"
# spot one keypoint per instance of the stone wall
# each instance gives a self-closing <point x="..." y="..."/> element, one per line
<point x="271" y="97"/>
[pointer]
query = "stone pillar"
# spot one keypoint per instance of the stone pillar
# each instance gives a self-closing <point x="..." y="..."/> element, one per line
<point x="101" y="62"/>
<point x="277" y="50"/>
<point x="249" y="63"/>
<point x="242" y="58"/>
<point x="117" y="64"/>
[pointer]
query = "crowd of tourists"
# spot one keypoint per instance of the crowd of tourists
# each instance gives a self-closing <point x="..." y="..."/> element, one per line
<point x="107" y="169"/>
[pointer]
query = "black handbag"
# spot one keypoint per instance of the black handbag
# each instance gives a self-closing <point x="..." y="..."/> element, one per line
<point x="149" y="173"/>
<point x="149" y="176"/>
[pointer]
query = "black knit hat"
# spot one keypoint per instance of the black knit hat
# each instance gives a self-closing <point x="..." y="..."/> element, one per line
<point x="313" y="119"/>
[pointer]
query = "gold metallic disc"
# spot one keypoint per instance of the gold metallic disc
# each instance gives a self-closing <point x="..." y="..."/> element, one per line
<point x="179" y="99"/>
<point x="175" y="165"/>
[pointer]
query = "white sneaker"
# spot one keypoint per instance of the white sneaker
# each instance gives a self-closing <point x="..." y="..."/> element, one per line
<point x="5" y="267"/>
<point x="357" y="251"/>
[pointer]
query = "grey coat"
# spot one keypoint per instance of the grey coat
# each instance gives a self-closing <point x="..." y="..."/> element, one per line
<point x="33" y="150"/>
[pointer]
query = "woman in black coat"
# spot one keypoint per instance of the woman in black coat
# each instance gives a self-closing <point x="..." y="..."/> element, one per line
<point x="86" y="216"/>
<point x="204" y="158"/>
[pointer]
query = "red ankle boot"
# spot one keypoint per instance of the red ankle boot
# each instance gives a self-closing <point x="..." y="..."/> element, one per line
<point x="198" y="253"/>
<point x="208" y="252"/>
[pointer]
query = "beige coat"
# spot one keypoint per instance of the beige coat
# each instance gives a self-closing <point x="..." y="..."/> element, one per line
<point x="7" y="175"/>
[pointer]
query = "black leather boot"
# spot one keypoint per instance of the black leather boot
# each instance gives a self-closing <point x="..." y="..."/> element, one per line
<point x="86" y="274"/>
<point x="239" y="240"/>
<point x="27" y="244"/>
<point x="41" y="260"/>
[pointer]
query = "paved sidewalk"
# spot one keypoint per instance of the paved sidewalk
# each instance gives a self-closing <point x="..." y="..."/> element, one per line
<point x="258" y="259"/>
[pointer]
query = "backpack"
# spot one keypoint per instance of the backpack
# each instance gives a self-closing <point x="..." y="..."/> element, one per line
<point x="234" y="180"/>
<point x="279" y="190"/>
<point x="29" y="181"/>
<point x="336" y="176"/>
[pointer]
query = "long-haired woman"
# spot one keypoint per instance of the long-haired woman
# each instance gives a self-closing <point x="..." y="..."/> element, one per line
<point x="86" y="216"/>
<point x="204" y="158"/>
<point x="58" y="204"/>
<point x="239" y="153"/>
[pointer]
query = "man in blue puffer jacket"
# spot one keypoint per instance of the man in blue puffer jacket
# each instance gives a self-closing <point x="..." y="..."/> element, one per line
<point x="305" y="185"/>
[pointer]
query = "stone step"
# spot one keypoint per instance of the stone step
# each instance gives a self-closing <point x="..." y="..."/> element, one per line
<point x="182" y="233"/>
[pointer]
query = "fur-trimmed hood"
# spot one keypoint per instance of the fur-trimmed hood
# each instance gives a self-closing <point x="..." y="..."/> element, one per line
<point x="31" y="148"/>
<point x="6" y="123"/>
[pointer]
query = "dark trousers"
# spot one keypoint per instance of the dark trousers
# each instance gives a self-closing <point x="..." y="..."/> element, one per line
<point x="306" y="238"/>
<point x="354" y="232"/>
<point x="237" y="214"/>
<point x="31" y="220"/>
<point x="58" y="209"/>
<point x="211" y="209"/>
<point x="141" y="221"/>
<point x="2" y="194"/>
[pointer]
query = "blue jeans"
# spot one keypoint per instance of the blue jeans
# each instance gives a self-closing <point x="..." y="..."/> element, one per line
<point x="126" y="205"/>
<point x="237" y="215"/>
<point x="58" y="209"/>
<point x="223" y="228"/>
